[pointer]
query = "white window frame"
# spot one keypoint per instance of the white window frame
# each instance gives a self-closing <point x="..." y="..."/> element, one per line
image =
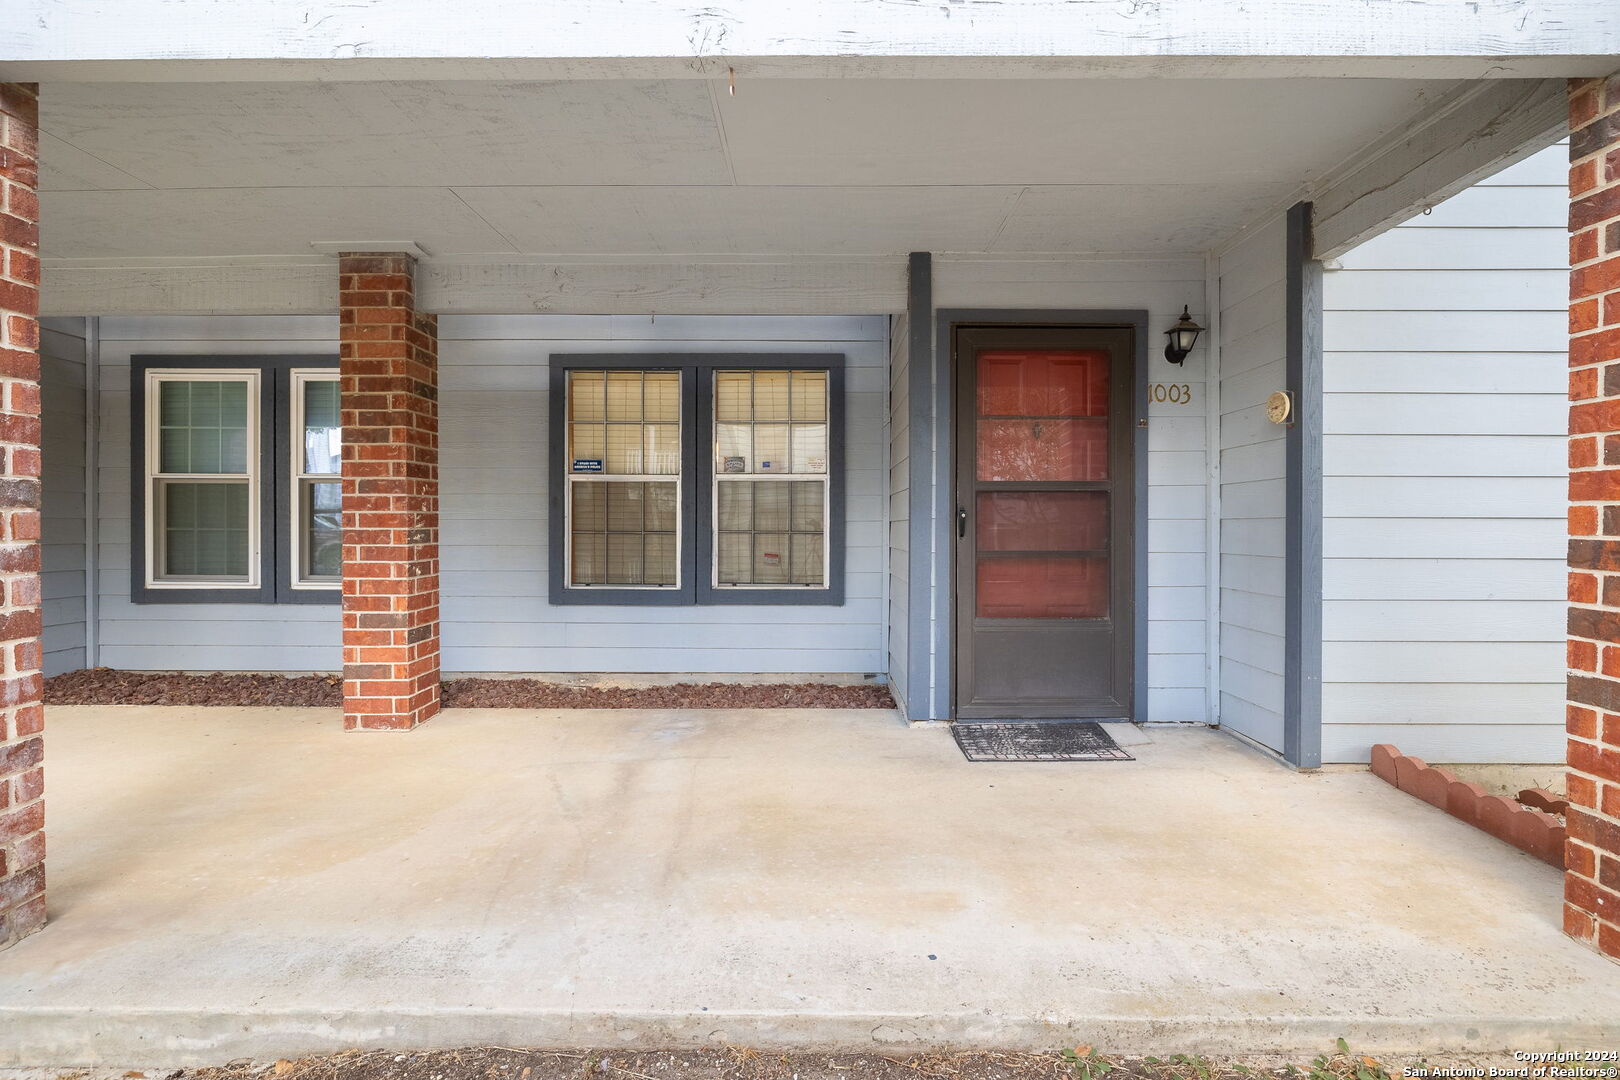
<point x="718" y="478"/>
<point x="298" y="477"/>
<point x="570" y="477"/>
<point x="155" y="378"/>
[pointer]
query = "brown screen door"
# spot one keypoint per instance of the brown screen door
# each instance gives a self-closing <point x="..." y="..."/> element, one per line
<point x="1045" y="522"/>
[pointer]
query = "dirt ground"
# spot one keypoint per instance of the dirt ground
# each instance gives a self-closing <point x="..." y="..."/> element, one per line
<point x="108" y="686"/>
<point x="736" y="1063"/>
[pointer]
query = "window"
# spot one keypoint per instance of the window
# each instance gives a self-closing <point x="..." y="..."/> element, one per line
<point x="316" y="518"/>
<point x="202" y="488"/>
<point x="697" y="479"/>
<point x="230" y="506"/>
<point x="624" y="465"/>
<point x="770" y="479"/>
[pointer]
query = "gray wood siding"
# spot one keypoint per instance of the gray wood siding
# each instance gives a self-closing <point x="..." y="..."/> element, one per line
<point x="1252" y="498"/>
<point x="62" y="535"/>
<point x="899" y="506"/>
<point x="1444" y="490"/>
<point x="1178" y="493"/>
<point x="493" y="445"/>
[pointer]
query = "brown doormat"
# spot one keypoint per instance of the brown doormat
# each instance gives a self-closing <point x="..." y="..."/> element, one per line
<point x="108" y="686"/>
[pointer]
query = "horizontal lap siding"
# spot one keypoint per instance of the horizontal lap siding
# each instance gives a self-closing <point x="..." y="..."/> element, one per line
<point x="493" y="468"/>
<point x="1252" y="471"/>
<point x="494" y="397"/>
<point x="1443" y="499"/>
<point x="195" y="637"/>
<point x="1177" y="464"/>
<point x="62" y="554"/>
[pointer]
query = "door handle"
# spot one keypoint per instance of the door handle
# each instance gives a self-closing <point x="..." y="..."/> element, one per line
<point x="961" y="522"/>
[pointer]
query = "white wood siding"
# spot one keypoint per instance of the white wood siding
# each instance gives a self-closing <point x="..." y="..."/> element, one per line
<point x="1444" y="458"/>
<point x="1252" y="472"/>
<point x="62" y="579"/>
<point x="1177" y="457"/>
<point x="493" y="467"/>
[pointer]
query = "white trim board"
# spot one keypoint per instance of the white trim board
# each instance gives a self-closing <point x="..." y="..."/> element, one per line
<point x="58" y="39"/>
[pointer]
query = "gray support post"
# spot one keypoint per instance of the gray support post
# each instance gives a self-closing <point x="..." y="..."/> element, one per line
<point x="1302" y="670"/>
<point x="919" y="690"/>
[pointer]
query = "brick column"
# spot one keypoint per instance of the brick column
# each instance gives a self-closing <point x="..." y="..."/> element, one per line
<point x="1592" y="883"/>
<point x="390" y="406"/>
<point x="22" y="718"/>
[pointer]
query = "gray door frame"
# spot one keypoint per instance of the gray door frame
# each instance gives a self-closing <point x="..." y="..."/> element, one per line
<point x="932" y="454"/>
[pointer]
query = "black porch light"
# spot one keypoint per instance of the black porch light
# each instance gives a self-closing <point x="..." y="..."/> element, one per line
<point x="1182" y="337"/>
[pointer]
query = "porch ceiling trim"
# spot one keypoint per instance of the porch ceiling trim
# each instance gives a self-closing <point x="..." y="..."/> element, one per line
<point x="84" y="39"/>
<point x="779" y="285"/>
<point x="1479" y="132"/>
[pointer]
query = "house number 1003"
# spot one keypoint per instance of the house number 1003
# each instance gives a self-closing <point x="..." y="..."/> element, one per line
<point x="1174" y="393"/>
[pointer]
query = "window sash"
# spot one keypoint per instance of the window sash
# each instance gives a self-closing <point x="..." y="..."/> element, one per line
<point x="299" y="494"/>
<point x="793" y="414"/>
<point x="156" y="480"/>
<point x="716" y="532"/>
<point x="573" y="419"/>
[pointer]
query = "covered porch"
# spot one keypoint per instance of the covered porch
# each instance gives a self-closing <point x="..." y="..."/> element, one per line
<point x="233" y="882"/>
<point x="449" y="238"/>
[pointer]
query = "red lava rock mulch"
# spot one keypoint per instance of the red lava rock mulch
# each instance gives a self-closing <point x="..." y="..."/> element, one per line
<point x="534" y="694"/>
<point x="107" y="686"/>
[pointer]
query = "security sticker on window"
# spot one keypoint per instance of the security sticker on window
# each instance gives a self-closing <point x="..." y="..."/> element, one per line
<point x="587" y="464"/>
<point x="736" y="465"/>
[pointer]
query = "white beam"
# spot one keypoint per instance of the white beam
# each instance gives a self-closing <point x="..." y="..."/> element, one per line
<point x="573" y="285"/>
<point x="255" y="39"/>
<point x="1484" y="130"/>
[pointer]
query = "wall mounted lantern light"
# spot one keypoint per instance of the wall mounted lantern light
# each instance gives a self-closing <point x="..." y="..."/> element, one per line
<point x="1182" y="337"/>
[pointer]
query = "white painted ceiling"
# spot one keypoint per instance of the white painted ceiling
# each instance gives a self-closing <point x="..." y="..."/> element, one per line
<point x="841" y="167"/>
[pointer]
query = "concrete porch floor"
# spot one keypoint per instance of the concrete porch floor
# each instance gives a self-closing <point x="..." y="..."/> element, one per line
<point x="234" y="882"/>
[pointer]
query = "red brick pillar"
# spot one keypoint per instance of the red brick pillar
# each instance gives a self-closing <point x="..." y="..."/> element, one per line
<point x="22" y="718"/>
<point x="1592" y="883"/>
<point x="390" y="406"/>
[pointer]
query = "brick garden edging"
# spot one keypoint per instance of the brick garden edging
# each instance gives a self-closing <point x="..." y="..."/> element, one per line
<point x="1529" y="823"/>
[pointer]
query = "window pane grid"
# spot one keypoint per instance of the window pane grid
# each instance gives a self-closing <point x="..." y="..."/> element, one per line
<point x="769" y="422"/>
<point x="770" y="533"/>
<point x="623" y="486"/>
<point x="770" y="439"/>
<point x="624" y="423"/>
<point x="203" y="528"/>
<point x="623" y="533"/>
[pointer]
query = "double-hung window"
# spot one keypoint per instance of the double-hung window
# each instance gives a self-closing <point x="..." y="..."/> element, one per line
<point x="624" y="479"/>
<point x="771" y="481"/>
<point x="697" y="479"/>
<point x="235" y="480"/>
<point x="202" y="490"/>
<point x="315" y="536"/>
